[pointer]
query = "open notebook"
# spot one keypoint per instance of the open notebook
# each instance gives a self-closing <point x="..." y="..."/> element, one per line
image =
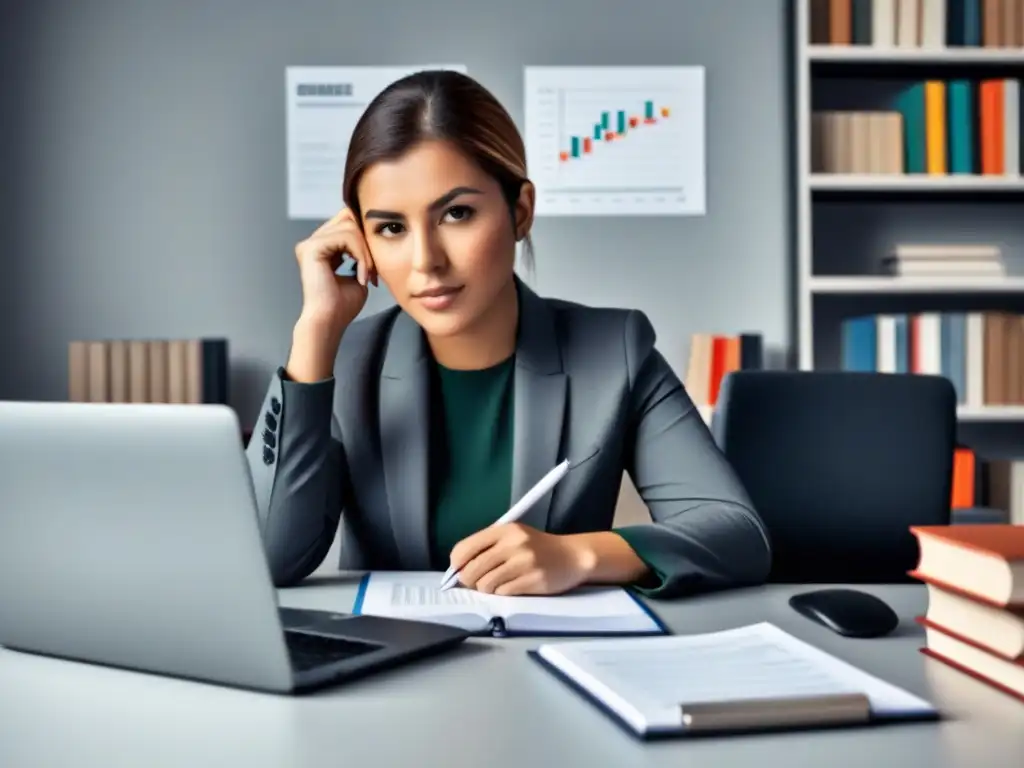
<point x="585" y="611"/>
<point x="756" y="677"/>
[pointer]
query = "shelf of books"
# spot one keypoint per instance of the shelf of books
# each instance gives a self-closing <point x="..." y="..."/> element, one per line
<point x="185" y="371"/>
<point x="910" y="193"/>
<point x="712" y="357"/>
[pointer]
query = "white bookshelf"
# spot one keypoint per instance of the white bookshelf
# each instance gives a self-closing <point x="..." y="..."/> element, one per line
<point x="862" y="54"/>
<point x="813" y="61"/>
<point x="991" y="413"/>
<point x="882" y="184"/>
<point x="871" y="284"/>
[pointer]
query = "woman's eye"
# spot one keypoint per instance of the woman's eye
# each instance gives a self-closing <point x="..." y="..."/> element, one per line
<point x="458" y="213"/>
<point x="389" y="228"/>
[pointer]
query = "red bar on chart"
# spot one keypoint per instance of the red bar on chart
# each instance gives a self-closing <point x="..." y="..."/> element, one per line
<point x="633" y="122"/>
<point x="564" y="156"/>
<point x="586" y="144"/>
<point x="609" y="136"/>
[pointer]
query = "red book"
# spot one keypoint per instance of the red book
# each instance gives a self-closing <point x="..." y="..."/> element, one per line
<point x="964" y="471"/>
<point x="984" y="562"/>
<point x="719" y="355"/>
<point x="969" y="657"/>
<point x="998" y="630"/>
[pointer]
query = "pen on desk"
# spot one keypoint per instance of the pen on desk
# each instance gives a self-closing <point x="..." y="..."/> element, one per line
<point x="518" y="509"/>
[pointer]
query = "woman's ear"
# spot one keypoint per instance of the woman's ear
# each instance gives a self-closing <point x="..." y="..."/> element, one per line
<point x="524" y="210"/>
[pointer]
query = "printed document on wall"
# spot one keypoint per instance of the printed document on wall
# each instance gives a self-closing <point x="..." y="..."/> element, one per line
<point x="614" y="141"/>
<point x="323" y="105"/>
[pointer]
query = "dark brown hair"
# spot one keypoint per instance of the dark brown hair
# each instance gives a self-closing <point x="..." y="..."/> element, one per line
<point x="444" y="105"/>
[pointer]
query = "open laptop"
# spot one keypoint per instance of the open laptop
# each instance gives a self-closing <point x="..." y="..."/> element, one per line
<point x="129" y="538"/>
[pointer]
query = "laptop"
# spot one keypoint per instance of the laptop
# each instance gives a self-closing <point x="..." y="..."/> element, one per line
<point x="129" y="538"/>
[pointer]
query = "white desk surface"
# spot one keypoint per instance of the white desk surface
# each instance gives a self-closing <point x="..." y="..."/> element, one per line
<point x="485" y="704"/>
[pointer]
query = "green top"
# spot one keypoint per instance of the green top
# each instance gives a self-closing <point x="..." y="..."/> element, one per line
<point x="471" y="452"/>
<point x="471" y="439"/>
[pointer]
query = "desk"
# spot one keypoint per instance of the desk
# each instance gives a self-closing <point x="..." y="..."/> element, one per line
<point x="511" y="711"/>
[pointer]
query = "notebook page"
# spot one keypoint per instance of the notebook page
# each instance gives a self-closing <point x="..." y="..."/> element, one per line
<point x="646" y="680"/>
<point x="413" y="594"/>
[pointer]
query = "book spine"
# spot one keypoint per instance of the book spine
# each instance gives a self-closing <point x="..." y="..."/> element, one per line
<point x="902" y="344"/>
<point x="935" y="127"/>
<point x="911" y="105"/>
<point x="751" y="352"/>
<point x="859" y="344"/>
<point x="215" y="382"/>
<point x="961" y="123"/>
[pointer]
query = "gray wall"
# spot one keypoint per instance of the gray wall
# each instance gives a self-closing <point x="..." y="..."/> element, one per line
<point x="143" y="150"/>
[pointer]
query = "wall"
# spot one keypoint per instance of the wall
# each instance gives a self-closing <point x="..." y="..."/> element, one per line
<point x="143" y="147"/>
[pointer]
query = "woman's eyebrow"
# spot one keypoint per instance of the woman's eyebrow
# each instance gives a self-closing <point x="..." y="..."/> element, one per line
<point x="442" y="201"/>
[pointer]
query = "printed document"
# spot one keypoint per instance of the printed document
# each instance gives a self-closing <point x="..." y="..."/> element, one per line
<point x="646" y="682"/>
<point x="588" y="610"/>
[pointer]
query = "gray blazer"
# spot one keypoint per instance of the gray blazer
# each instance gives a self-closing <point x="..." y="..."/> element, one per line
<point x="354" y="449"/>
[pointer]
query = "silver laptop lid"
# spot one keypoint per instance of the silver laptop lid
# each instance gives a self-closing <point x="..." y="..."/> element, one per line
<point x="129" y="537"/>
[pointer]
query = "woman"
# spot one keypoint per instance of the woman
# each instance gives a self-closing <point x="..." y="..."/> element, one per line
<point x="419" y="426"/>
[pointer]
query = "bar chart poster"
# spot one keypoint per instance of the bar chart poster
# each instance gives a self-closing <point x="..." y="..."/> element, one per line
<point x="612" y="141"/>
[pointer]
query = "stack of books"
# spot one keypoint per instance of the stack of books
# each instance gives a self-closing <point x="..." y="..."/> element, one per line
<point x="712" y="358"/>
<point x="975" y="617"/>
<point x="944" y="260"/>
<point x="857" y="141"/>
<point x="193" y="371"/>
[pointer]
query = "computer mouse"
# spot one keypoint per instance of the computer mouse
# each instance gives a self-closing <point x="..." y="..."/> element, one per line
<point x="848" y="612"/>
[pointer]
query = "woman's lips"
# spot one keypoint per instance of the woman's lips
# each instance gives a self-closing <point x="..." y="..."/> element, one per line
<point x="439" y="299"/>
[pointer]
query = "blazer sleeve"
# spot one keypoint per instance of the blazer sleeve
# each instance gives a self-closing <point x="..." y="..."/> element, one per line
<point x="705" y="533"/>
<point x="299" y="471"/>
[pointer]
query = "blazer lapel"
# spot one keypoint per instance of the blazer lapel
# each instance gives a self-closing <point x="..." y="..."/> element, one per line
<point x="405" y="432"/>
<point x="540" y="392"/>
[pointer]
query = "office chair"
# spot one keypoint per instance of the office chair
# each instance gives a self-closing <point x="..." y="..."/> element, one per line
<point x="840" y="465"/>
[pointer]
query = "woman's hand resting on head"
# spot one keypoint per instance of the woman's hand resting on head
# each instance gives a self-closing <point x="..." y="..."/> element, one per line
<point x="515" y="559"/>
<point x="329" y="302"/>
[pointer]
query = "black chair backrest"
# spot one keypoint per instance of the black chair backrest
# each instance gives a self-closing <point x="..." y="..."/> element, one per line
<point x="840" y="465"/>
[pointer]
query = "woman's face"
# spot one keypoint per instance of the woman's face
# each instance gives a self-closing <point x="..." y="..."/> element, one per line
<point x="440" y="234"/>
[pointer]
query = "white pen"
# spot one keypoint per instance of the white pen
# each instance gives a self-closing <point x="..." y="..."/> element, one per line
<point x="518" y="509"/>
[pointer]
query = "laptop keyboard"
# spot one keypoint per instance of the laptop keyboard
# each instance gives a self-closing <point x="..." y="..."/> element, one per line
<point x="308" y="651"/>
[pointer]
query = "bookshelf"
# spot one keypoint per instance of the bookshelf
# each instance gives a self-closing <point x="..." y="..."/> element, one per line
<point x="992" y="413"/>
<point x="847" y="222"/>
<point x="873" y="284"/>
<point x="853" y="182"/>
<point x="861" y="54"/>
